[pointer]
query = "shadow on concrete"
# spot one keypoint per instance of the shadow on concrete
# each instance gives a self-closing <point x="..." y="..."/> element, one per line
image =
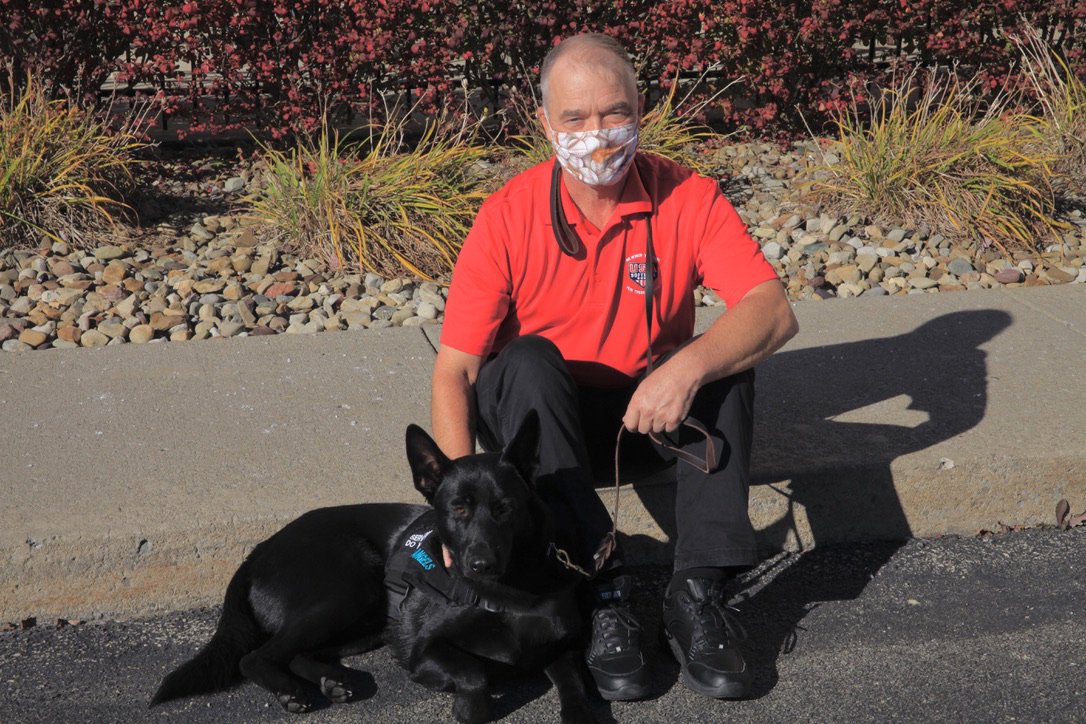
<point x="829" y="423"/>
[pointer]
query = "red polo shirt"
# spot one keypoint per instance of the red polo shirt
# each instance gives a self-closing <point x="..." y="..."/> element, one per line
<point x="512" y="279"/>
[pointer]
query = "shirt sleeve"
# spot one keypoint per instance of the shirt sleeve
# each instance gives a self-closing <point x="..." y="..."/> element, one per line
<point x="729" y="260"/>
<point x="480" y="291"/>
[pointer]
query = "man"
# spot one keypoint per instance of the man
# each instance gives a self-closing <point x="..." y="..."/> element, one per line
<point x="547" y="310"/>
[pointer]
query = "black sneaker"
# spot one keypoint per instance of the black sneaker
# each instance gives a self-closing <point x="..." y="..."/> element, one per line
<point x="614" y="654"/>
<point x="703" y="634"/>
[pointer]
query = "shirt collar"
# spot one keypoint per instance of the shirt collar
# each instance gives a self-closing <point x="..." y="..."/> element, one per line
<point x="635" y="198"/>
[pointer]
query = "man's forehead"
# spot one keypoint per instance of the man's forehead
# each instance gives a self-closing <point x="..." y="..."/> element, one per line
<point x="575" y="84"/>
<point x="575" y="108"/>
<point x="591" y="66"/>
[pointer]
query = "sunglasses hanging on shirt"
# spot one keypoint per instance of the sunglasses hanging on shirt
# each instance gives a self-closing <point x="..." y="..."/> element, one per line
<point x="564" y="234"/>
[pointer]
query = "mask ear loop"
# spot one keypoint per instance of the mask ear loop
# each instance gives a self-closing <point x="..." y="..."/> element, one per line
<point x="564" y="234"/>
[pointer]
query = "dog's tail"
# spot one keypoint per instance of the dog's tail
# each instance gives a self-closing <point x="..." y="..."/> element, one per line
<point x="216" y="666"/>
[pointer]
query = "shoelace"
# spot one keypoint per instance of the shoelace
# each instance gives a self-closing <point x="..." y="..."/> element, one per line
<point x="709" y="613"/>
<point x="617" y="629"/>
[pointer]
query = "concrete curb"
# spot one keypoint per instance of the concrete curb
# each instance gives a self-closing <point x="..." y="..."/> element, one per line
<point x="136" y="477"/>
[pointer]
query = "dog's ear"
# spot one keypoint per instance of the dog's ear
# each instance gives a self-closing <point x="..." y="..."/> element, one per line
<point x="522" y="452"/>
<point x="427" y="462"/>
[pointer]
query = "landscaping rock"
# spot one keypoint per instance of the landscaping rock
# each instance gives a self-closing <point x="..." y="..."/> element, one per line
<point x="93" y="338"/>
<point x="1059" y="276"/>
<point x="32" y="337"/>
<point x="107" y="253"/>
<point x="922" y="282"/>
<point x="113" y="330"/>
<point x="141" y="334"/>
<point x="231" y="329"/>
<point x="959" y="266"/>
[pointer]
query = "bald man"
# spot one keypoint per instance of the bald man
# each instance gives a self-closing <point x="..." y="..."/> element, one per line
<point x="547" y="311"/>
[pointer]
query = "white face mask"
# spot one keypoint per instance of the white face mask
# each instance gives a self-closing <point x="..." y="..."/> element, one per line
<point x="598" y="158"/>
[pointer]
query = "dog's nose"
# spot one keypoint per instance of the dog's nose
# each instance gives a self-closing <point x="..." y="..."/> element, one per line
<point x="482" y="565"/>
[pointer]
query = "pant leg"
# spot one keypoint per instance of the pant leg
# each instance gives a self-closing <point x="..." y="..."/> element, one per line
<point x="530" y="373"/>
<point x="711" y="516"/>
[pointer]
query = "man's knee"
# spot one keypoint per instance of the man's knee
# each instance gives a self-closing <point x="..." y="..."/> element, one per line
<point x="528" y="374"/>
<point x="532" y="358"/>
<point x="531" y="348"/>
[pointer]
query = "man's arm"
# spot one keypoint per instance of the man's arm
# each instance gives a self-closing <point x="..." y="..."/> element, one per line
<point x="742" y="337"/>
<point x="452" y="401"/>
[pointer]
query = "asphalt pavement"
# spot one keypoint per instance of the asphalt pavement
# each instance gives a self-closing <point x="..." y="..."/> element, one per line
<point x="979" y="629"/>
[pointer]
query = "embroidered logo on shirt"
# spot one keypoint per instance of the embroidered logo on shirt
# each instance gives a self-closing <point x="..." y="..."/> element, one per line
<point x="637" y="272"/>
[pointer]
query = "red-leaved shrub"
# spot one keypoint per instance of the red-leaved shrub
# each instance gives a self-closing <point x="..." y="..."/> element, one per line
<point x="282" y="65"/>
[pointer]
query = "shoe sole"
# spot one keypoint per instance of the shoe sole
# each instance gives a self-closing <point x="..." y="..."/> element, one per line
<point x="631" y="692"/>
<point x="737" y="689"/>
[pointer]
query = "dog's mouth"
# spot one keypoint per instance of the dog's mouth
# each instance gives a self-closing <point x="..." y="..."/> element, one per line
<point x="476" y="567"/>
<point x="474" y="576"/>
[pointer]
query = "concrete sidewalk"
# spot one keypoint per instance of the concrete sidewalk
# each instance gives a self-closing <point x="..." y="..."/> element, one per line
<point x="135" y="478"/>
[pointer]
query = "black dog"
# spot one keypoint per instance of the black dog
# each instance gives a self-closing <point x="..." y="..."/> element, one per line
<point x="316" y="590"/>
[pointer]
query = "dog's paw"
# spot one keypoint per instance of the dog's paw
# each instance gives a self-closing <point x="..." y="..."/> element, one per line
<point x="473" y="708"/>
<point x="336" y="691"/>
<point x="294" y="703"/>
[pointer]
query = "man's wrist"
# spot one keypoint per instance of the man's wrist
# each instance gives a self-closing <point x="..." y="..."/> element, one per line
<point x="691" y="362"/>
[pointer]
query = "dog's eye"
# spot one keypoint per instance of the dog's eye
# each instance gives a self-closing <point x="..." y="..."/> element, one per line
<point x="459" y="509"/>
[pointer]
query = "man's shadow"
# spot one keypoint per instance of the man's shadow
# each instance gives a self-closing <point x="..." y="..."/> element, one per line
<point x="829" y="422"/>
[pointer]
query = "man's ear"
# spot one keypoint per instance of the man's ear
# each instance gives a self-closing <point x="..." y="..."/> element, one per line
<point x="522" y="452"/>
<point x="541" y="116"/>
<point x="428" y="463"/>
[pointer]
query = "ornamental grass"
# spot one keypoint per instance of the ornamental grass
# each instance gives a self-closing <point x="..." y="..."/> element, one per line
<point x="63" y="173"/>
<point x="376" y="203"/>
<point x="1061" y="102"/>
<point x="933" y="154"/>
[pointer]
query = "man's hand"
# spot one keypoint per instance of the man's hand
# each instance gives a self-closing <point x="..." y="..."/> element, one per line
<point x="740" y="338"/>
<point x="446" y="556"/>
<point x="662" y="400"/>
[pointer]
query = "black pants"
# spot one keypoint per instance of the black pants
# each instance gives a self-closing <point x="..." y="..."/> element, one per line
<point x="710" y="509"/>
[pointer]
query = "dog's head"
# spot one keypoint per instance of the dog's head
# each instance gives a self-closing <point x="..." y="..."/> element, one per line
<point x="486" y="503"/>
